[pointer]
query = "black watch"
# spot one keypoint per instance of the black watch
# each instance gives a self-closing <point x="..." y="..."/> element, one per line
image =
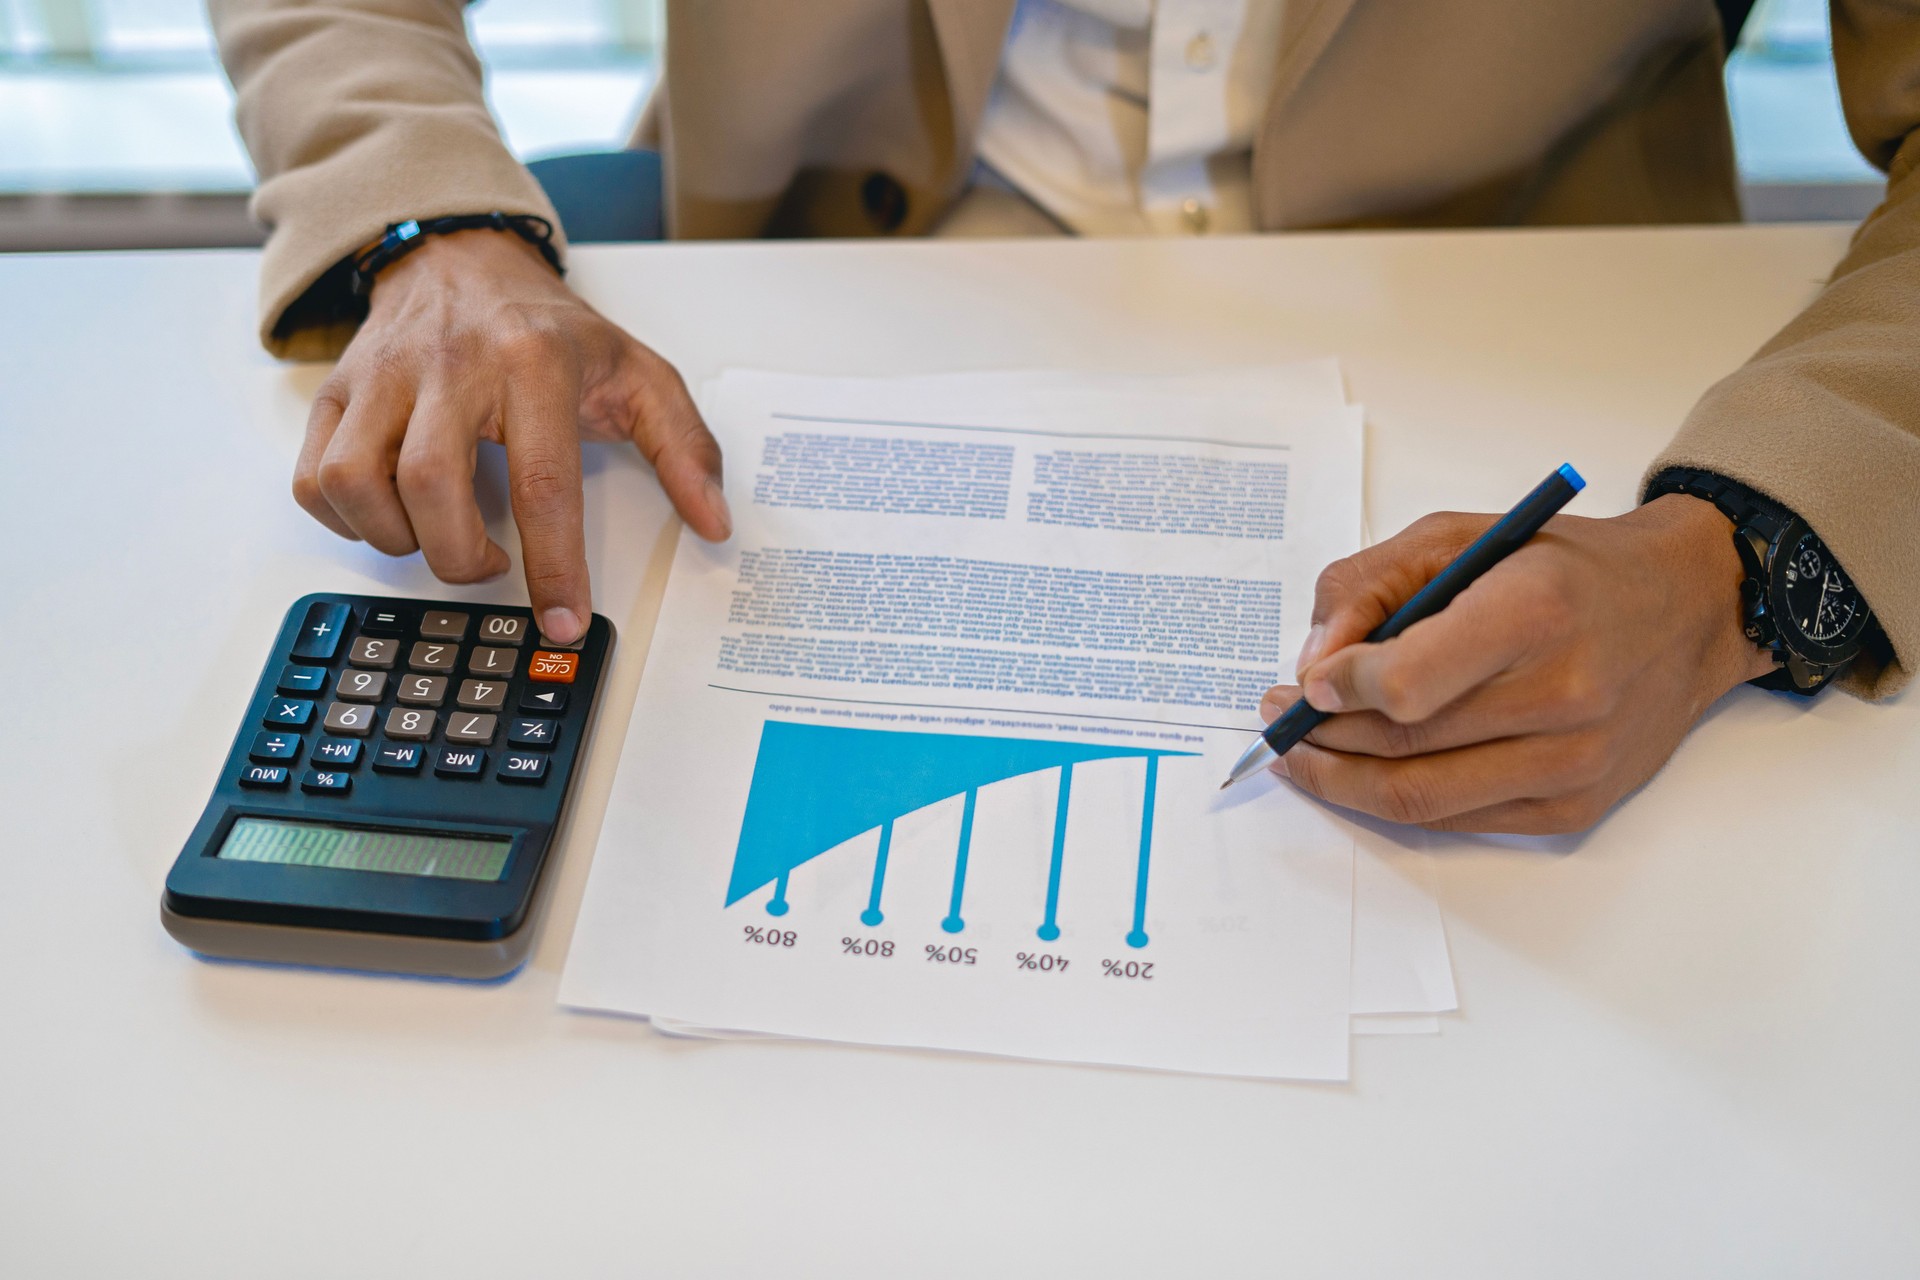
<point x="1796" y="601"/>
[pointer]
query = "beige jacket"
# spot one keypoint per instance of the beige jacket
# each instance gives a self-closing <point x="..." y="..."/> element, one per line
<point x="857" y="117"/>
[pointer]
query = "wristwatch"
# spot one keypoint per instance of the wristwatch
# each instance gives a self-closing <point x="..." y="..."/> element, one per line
<point x="1796" y="601"/>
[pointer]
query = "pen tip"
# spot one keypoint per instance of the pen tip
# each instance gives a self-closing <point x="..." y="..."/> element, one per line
<point x="1226" y="784"/>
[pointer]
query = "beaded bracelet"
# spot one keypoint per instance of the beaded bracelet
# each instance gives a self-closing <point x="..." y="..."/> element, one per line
<point x="402" y="238"/>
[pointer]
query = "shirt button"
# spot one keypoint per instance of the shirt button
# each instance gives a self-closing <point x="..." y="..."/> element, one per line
<point x="1200" y="52"/>
<point x="1195" y="214"/>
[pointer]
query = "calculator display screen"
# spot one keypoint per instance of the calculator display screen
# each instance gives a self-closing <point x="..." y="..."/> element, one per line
<point x="402" y="853"/>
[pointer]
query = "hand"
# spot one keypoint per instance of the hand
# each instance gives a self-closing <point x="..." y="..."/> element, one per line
<point x="1549" y="689"/>
<point x="472" y="337"/>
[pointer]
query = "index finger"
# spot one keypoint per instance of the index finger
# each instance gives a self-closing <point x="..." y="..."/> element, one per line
<point x="1429" y="665"/>
<point x="1354" y="595"/>
<point x="542" y="436"/>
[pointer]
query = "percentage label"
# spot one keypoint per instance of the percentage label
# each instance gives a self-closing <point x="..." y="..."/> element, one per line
<point x="1127" y="969"/>
<point x="753" y="933"/>
<point x="1043" y="962"/>
<point x="951" y="955"/>
<point x="866" y="947"/>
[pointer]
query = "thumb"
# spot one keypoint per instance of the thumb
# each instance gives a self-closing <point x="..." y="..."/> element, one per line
<point x="1357" y="594"/>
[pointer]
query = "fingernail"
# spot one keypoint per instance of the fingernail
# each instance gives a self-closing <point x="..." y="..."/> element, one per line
<point x="1279" y="766"/>
<point x="1316" y="638"/>
<point x="1268" y="709"/>
<point x="717" y="499"/>
<point x="562" y="626"/>
<point x="1321" y="697"/>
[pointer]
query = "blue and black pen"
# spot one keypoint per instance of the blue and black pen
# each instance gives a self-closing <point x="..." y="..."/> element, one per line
<point x="1508" y="534"/>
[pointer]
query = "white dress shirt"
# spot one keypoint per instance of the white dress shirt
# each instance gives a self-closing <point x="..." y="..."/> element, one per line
<point x="1133" y="117"/>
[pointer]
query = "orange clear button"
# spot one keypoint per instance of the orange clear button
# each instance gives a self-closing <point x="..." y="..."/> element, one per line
<point x="553" y="668"/>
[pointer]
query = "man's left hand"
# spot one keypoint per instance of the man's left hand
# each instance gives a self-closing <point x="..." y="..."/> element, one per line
<point x="1550" y="688"/>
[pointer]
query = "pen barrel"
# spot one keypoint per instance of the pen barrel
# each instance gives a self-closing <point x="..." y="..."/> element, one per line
<point x="1295" y="723"/>
<point x="1508" y="534"/>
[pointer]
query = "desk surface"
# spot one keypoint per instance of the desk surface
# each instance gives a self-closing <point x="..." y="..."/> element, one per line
<point x="1689" y="1042"/>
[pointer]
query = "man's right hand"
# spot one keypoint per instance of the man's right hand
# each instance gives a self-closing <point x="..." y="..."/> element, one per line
<point x="472" y="337"/>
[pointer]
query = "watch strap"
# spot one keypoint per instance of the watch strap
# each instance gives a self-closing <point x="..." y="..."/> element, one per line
<point x="1736" y="501"/>
<point x="1757" y="520"/>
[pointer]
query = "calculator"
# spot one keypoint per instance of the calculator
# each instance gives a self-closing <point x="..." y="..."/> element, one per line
<point x="393" y="790"/>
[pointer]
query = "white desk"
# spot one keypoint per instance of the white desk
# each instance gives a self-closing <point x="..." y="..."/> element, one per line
<point x="1687" y="1048"/>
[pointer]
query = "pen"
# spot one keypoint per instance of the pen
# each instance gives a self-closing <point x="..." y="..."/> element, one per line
<point x="1508" y="534"/>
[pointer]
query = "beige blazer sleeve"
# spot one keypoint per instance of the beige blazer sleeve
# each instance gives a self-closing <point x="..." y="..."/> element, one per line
<point x="1826" y="416"/>
<point x="357" y="113"/>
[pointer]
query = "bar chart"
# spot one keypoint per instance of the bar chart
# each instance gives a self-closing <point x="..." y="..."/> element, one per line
<point x="816" y="786"/>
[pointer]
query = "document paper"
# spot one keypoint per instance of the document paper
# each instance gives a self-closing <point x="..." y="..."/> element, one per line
<point x="929" y="752"/>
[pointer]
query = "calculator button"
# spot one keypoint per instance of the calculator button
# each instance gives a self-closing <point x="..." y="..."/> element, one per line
<point x="502" y="628"/>
<point x="374" y="651"/>
<point x="289" y="713"/>
<point x="437" y="625"/>
<point x="320" y="633"/>
<point x="337" y="753"/>
<point x="548" y="642"/>
<point x="422" y="691"/>
<point x="520" y="766"/>
<point x="264" y="775"/>
<point x="482" y="695"/>
<point x="460" y="762"/>
<point x="551" y="667"/>
<point x="270" y="746"/>
<point x="385" y="622"/>
<point x="552" y="698"/>
<point x="464" y="726"/>
<point x="326" y="782"/>
<point x="429" y="655"/>
<point x="360" y="686"/>
<point x="409" y="725"/>
<point x="493" y="662"/>
<point x="538" y="734"/>
<point x="297" y="679"/>
<point x="349" y="718"/>
<point x="399" y="757"/>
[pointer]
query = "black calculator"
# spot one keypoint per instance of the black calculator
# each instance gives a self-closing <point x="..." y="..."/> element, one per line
<point x="391" y="795"/>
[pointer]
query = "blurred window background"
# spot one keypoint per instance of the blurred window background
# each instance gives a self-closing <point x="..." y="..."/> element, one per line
<point x="1796" y="159"/>
<point x="116" y="127"/>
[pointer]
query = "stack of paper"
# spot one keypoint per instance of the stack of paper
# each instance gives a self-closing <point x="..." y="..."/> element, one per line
<point x="929" y="753"/>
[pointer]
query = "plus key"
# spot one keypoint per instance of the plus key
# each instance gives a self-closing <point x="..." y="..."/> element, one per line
<point x="320" y="632"/>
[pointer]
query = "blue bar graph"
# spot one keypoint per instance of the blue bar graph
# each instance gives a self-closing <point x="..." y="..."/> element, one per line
<point x="1050" y="927"/>
<point x="817" y="786"/>
<point x="872" y="915"/>
<point x="1137" y="936"/>
<point x="955" y="922"/>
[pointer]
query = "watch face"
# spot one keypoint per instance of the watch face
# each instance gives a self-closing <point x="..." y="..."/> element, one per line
<point x="1822" y="613"/>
